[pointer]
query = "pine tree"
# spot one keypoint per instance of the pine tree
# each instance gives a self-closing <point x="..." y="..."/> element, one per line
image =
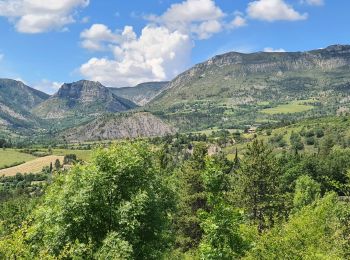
<point x="256" y="184"/>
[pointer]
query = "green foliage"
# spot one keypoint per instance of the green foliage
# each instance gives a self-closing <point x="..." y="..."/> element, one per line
<point x="296" y="142"/>
<point x="318" y="231"/>
<point x="57" y="164"/>
<point x="256" y="185"/>
<point x="306" y="191"/>
<point x="114" y="247"/>
<point x="171" y="200"/>
<point x="221" y="223"/>
<point x="70" y="159"/>
<point x="192" y="198"/>
<point x="222" y="238"/>
<point x="121" y="191"/>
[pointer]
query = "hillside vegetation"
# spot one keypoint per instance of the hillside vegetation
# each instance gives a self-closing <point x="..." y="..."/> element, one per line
<point x="16" y="100"/>
<point x="234" y="88"/>
<point x="169" y="199"/>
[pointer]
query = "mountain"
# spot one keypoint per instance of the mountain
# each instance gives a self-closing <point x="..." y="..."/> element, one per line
<point x="124" y="125"/>
<point x="81" y="99"/>
<point x="235" y="89"/>
<point x="16" y="101"/>
<point x="142" y="93"/>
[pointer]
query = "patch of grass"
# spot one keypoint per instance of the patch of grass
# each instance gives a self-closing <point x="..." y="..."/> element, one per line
<point x="84" y="155"/>
<point x="10" y="157"/>
<point x="293" y="107"/>
<point x="263" y="103"/>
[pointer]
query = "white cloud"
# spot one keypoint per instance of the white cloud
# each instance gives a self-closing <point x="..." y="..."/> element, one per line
<point x="163" y="48"/>
<point x="96" y="36"/>
<point x="202" y="18"/>
<point x="237" y="22"/>
<point x="160" y="52"/>
<point x="269" y="49"/>
<point x="48" y="86"/>
<point x="313" y="2"/>
<point x="273" y="10"/>
<point x="157" y="54"/>
<point x="37" y="16"/>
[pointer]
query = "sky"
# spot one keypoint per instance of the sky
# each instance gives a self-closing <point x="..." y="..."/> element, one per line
<point x="123" y="43"/>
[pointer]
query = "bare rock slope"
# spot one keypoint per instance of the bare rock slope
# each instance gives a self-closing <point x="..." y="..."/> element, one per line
<point x="125" y="125"/>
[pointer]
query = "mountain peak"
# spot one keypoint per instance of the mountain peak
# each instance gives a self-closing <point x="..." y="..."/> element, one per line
<point x="83" y="97"/>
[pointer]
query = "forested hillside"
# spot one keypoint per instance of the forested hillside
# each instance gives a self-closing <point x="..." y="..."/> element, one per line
<point x="176" y="197"/>
<point x="238" y="89"/>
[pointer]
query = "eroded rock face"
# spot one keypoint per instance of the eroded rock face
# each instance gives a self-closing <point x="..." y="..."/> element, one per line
<point x="83" y="91"/>
<point x="83" y="98"/>
<point x="121" y="126"/>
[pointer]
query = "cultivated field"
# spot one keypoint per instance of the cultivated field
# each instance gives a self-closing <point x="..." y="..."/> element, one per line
<point x="84" y="155"/>
<point x="293" y="107"/>
<point x="9" y="157"/>
<point x="33" y="166"/>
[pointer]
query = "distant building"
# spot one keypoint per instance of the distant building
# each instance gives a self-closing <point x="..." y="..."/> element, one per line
<point x="252" y="130"/>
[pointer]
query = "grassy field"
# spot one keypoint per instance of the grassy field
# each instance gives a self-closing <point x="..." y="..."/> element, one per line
<point x="84" y="155"/>
<point x="293" y="107"/>
<point x="33" y="166"/>
<point x="9" y="157"/>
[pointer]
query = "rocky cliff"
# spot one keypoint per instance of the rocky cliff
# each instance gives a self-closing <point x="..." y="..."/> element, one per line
<point x="124" y="125"/>
<point x="82" y="98"/>
<point x="260" y="76"/>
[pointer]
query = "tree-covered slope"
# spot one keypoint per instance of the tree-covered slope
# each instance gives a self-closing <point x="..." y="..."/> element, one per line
<point x="16" y="101"/>
<point x="234" y="87"/>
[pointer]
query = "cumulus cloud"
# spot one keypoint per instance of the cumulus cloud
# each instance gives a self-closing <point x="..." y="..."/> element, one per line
<point x="274" y="10"/>
<point x="163" y="48"/>
<point x="237" y="22"/>
<point x="157" y="54"/>
<point x="269" y="49"/>
<point x="97" y="36"/>
<point x="48" y="86"/>
<point x="37" y="16"/>
<point x="201" y="18"/>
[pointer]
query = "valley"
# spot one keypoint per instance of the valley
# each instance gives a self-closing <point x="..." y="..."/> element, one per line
<point x="235" y="155"/>
<point x="174" y="130"/>
<point x="229" y="91"/>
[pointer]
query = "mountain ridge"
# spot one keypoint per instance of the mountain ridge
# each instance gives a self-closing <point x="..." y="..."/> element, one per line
<point x="233" y="87"/>
<point x="82" y="98"/>
<point x="16" y="100"/>
<point x="142" y="93"/>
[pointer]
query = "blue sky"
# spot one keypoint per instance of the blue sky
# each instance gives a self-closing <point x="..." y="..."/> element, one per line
<point x="122" y="43"/>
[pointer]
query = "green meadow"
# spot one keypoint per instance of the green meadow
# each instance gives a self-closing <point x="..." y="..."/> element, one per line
<point x="297" y="106"/>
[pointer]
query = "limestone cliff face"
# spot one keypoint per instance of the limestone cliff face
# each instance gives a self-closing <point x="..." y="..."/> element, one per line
<point x="131" y="125"/>
<point x="82" y="98"/>
<point x="237" y="73"/>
